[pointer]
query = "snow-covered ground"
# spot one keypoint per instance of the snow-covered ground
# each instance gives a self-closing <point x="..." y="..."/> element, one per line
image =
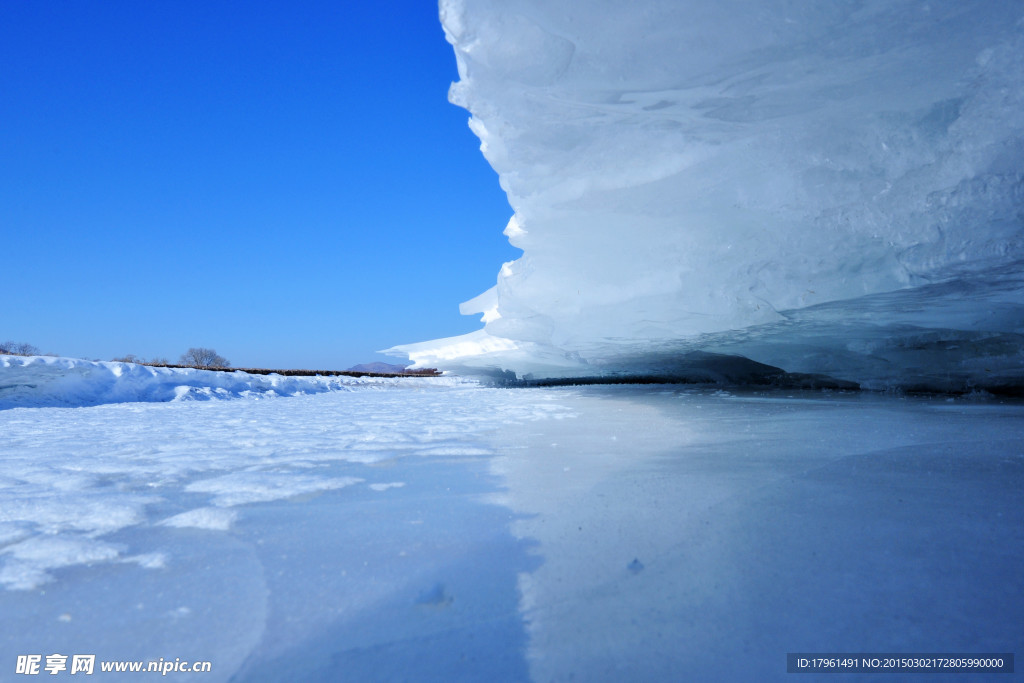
<point x="427" y="529"/>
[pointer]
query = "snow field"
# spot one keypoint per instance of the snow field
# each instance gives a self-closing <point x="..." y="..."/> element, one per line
<point x="72" y="476"/>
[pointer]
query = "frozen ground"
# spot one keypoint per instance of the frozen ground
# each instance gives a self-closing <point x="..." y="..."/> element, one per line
<point x="432" y="531"/>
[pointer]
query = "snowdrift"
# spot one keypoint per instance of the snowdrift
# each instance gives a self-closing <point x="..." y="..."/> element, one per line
<point x="828" y="188"/>
<point x="35" y="381"/>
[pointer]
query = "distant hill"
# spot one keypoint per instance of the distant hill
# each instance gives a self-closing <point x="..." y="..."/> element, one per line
<point x="380" y="368"/>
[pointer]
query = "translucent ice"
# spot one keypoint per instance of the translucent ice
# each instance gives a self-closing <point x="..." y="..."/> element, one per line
<point x="829" y="187"/>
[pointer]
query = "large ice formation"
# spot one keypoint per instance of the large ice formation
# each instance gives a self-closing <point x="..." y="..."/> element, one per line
<point x="829" y="187"/>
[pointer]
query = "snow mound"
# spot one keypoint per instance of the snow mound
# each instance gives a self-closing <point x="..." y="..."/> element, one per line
<point x="824" y="187"/>
<point x="34" y="381"/>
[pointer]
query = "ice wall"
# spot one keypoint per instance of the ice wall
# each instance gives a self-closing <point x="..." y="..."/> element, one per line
<point x="830" y="187"/>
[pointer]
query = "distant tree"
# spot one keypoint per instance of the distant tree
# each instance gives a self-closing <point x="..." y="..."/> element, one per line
<point x="158" y="361"/>
<point x="204" y="358"/>
<point x="18" y="349"/>
<point x="129" y="358"/>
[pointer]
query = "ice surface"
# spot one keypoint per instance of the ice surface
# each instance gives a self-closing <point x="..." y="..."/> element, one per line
<point x="432" y="531"/>
<point x="829" y="187"/>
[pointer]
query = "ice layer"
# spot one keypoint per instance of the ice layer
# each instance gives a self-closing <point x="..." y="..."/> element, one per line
<point x="832" y="188"/>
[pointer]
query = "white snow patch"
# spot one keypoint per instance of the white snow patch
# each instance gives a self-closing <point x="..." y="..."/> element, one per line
<point x="148" y="560"/>
<point x="27" y="563"/>
<point x="217" y="519"/>
<point x="258" y="487"/>
<point x="385" y="487"/>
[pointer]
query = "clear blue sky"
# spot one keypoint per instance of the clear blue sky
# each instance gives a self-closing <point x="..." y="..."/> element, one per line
<point x="284" y="182"/>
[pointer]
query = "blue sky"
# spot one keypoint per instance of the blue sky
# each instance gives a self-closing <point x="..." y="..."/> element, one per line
<point x="284" y="182"/>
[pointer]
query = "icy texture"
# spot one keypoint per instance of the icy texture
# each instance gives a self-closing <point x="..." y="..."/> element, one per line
<point x="828" y="187"/>
<point x="589" y="534"/>
<point x="71" y="478"/>
<point x="48" y="381"/>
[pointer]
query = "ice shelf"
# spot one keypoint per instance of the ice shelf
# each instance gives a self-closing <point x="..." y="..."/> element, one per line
<point x="829" y="188"/>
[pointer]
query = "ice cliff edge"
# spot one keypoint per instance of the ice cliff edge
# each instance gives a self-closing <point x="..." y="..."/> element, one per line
<point x="832" y="188"/>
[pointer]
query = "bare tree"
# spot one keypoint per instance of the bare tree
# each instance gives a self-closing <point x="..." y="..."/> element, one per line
<point x="18" y="349"/>
<point x="204" y="358"/>
<point x="129" y="358"/>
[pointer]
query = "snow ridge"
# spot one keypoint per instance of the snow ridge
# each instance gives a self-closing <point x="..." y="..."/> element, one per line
<point x="37" y="381"/>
